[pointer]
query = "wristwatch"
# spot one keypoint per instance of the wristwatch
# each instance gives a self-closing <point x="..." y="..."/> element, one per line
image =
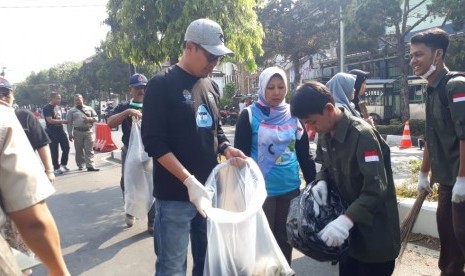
<point x="223" y="147"/>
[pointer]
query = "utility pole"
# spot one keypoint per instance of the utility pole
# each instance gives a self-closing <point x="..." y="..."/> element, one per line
<point x="341" y="39"/>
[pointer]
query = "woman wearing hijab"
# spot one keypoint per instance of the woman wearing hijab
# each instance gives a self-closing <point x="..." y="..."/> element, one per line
<point x="268" y="133"/>
<point x="342" y="87"/>
<point x="359" y="86"/>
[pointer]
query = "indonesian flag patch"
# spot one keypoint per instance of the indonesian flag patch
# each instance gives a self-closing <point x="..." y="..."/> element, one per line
<point x="458" y="97"/>
<point x="371" y="156"/>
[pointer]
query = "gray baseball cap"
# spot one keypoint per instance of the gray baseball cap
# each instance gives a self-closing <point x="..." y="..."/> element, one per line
<point x="209" y="35"/>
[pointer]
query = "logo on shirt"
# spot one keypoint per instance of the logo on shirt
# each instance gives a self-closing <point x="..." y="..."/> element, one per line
<point x="187" y="96"/>
<point x="203" y="118"/>
<point x="371" y="156"/>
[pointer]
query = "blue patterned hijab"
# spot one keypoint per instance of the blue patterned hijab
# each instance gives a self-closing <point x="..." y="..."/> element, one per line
<point x="273" y="115"/>
<point x="277" y="127"/>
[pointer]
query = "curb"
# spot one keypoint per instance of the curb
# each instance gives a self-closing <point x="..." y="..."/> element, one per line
<point x="426" y="220"/>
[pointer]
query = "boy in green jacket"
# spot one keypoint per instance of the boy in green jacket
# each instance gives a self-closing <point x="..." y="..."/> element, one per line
<point x="356" y="161"/>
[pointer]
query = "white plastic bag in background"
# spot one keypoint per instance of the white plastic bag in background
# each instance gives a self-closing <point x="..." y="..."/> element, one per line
<point x="138" y="172"/>
<point x="240" y="241"/>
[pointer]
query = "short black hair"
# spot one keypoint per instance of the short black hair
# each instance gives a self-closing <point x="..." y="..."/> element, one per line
<point x="5" y="92"/>
<point x="310" y="98"/>
<point x="434" y="38"/>
<point x="54" y="95"/>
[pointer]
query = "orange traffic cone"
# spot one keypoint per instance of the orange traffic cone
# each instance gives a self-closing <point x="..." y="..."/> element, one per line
<point x="406" y="141"/>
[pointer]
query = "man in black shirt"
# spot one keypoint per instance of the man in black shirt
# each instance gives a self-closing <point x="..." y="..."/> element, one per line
<point x="123" y="115"/>
<point x="38" y="138"/>
<point x="54" y="127"/>
<point x="181" y="130"/>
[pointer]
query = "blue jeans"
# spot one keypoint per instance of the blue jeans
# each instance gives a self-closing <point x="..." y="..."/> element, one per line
<point x="174" y="222"/>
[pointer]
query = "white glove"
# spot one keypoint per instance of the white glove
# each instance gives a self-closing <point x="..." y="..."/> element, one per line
<point x="337" y="231"/>
<point x="423" y="182"/>
<point x="458" y="192"/>
<point x="198" y="195"/>
<point x="320" y="192"/>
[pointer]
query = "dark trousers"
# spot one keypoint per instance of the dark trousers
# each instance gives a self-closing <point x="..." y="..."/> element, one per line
<point x="151" y="213"/>
<point x="451" y="228"/>
<point x="349" y="266"/>
<point x="276" y="209"/>
<point x="59" y="139"/>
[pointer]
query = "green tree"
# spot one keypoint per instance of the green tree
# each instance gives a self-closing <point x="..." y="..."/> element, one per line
<point x="374" y="16"/>
<point x="229" y="91"/>
<point x="454" y="10"/>
<point x="145" y="31"/>
<point x="455" y="57"/>
<point x="35" y="90"/>
<point x="296" y="29"/>
<point x="359" y="37"/>
<point x="94" y="78"/>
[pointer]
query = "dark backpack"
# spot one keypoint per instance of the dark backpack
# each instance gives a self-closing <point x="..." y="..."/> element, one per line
<point x="447" y="117"/>
<point x="443" y="83"/>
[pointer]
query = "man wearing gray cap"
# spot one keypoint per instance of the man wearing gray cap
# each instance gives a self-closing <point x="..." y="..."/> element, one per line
<point x="181" y="130"/>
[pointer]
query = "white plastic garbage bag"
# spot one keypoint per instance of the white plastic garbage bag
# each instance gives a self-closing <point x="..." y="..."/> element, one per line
<point x="138" y="181"/>
<point x="240" y="241"/>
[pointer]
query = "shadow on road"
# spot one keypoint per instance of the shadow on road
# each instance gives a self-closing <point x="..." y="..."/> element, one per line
<point x="91" y="227"/>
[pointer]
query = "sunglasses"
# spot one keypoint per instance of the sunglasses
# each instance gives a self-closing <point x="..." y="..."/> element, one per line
<point x="209" y="56"/>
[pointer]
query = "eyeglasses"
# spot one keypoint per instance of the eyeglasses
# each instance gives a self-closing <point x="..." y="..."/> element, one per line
<point x="139" y="87"/>
<point x="209" y="56"/>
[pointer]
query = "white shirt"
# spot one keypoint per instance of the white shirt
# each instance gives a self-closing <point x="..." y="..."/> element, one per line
<point x="23" y="182"/>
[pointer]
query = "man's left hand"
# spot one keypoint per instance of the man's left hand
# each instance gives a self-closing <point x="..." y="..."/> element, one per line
<point x="337" y="231"/>
<point x="458" y="192"/>
<point x="235" y="156"/>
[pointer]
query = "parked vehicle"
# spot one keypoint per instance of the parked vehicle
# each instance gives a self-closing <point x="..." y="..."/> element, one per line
<point x="229" y="115"/>
<point x="383" y="99"/>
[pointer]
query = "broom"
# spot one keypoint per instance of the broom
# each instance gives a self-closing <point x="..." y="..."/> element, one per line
<point x="409" y="221"/>
<point x="363" y="109"/>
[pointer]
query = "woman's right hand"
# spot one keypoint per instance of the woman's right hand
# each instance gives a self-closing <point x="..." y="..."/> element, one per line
<point x="370" y="121"/>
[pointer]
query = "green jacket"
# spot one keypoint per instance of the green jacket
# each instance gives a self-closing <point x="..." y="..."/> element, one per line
<point x="445" y="127"/>
<point x="357" y="162"/>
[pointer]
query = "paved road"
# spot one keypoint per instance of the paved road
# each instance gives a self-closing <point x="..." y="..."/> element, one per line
<point x="88" y="209"/>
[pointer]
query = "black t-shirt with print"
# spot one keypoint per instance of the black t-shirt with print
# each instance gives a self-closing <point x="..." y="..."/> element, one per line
<point x="53" y="111"/>
<point x="180" y="120"/>
<point x="34" y="131"/>
<point x="127" y="123"/>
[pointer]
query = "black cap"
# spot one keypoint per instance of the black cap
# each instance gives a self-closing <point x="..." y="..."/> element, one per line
<point x="361" y="77"/>
<point x="137" y="80"/>
<point x="5" y="84"/>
